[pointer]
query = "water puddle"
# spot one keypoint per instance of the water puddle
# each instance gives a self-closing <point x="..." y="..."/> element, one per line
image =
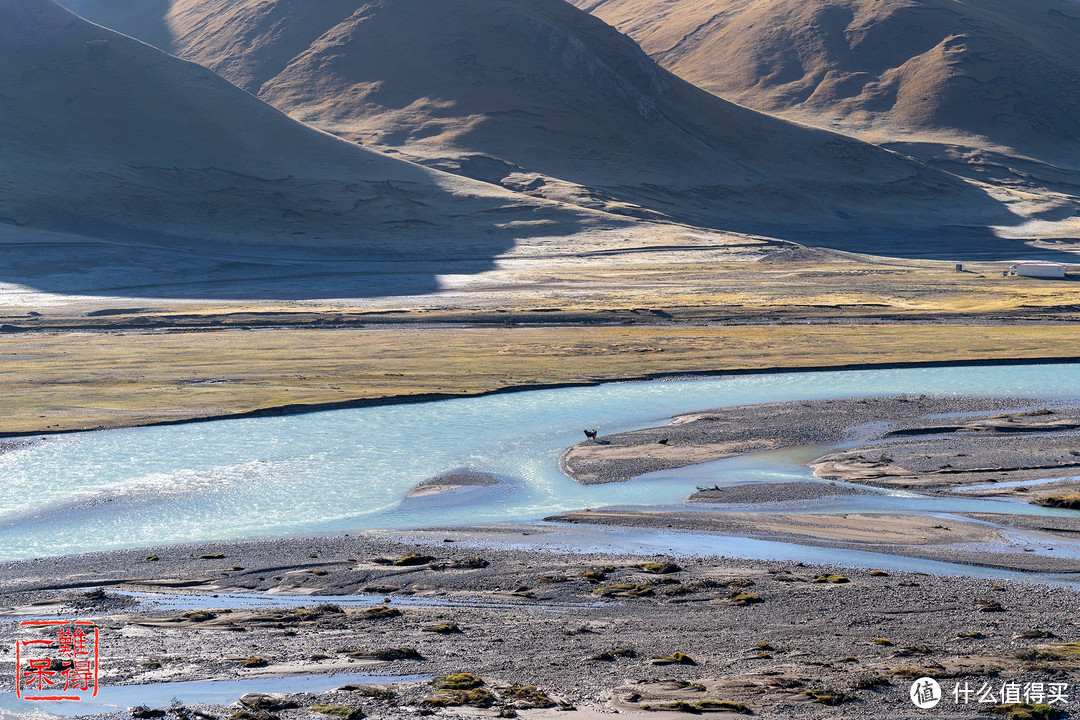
<point x="116" y="698"/>
<point x="1018" y="483"/>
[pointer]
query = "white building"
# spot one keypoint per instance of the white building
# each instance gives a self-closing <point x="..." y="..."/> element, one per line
<point x="1039" y="269"/>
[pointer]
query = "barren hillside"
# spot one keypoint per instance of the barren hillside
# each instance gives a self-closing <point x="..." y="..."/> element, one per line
<point x="542" y="98"/>
<point x="109" y="139"/>
<point x="1005" y="71"/>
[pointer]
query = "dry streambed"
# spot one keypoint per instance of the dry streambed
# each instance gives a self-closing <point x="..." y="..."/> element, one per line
<point x="530" y="632"/>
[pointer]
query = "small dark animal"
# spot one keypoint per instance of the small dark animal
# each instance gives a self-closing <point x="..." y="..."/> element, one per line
<point x="590" y="434"/>
<point x="662" y="441"/>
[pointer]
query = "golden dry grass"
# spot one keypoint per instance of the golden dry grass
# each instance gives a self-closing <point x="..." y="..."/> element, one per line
<point x="63" y="381"/>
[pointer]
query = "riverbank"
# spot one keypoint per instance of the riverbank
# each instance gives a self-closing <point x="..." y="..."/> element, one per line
<point x="585" y="629"/>
<point x="701" y="304"/>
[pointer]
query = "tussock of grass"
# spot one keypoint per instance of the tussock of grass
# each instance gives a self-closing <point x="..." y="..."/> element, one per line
<point x="479" y="698"/>
<point x="338" y="711"/>
<point x="1054" y="651"/>
<point x="741" y="599"/>
<point x="834" y="579"/>
<point x="410" y="560"/>
<point x="380" y="612"/>
<point x="598" y="574"/>
<point x="1070" y="501"/>
<point x="675" y="658"/>
<point x="527" y="696"/>
<point x="660" y="568"/>
<point x="1024" y="711"/>
<point x="458" y="681"/>
<point x="623" y="590"/>
<point x="443" y="628"/>
<point x="722" y="706"/>
<point x="828" y="697"/>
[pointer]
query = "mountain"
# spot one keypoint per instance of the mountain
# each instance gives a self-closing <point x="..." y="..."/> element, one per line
<point x="1003" y="71"/>
<point x="544" y="99"/>
<point x="107" y="139"/>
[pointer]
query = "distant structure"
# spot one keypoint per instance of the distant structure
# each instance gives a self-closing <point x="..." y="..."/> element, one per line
<point x="1039" y="269"/>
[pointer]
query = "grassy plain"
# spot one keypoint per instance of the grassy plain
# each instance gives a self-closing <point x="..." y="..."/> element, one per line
<point x="114" y="362"/>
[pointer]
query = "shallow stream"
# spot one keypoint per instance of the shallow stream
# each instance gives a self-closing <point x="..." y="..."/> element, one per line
<point x="351" y="469"/>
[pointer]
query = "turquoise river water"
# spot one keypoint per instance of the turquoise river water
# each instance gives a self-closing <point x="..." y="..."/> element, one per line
<point x="351" y="469"/>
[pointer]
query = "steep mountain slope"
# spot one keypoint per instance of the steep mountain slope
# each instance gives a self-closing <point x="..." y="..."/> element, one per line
<point x="542" y="98"/>
<point x="995" y="73"/>
<point x="986" y="90"/>
<point x="105" y="137"/>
